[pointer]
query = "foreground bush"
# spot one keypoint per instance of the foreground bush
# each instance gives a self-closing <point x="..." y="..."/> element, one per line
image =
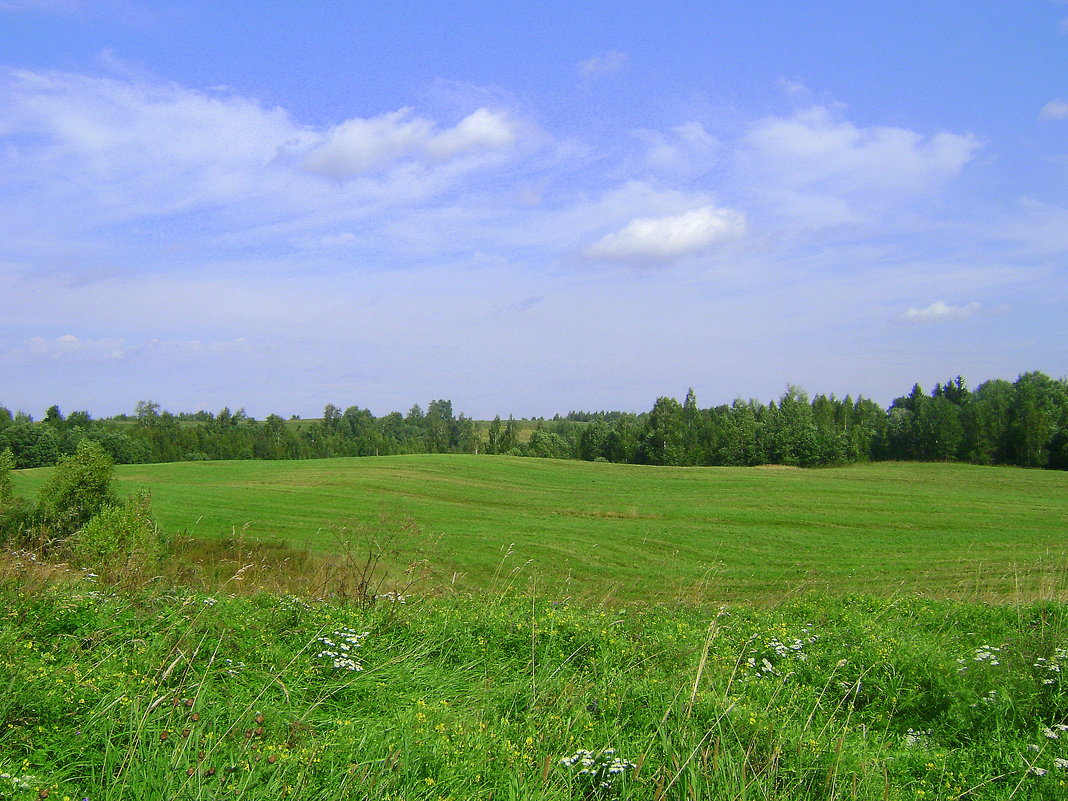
<point x="121" y="539"/>
<point x="176" y="694"/>
<point x="80" y="487"/>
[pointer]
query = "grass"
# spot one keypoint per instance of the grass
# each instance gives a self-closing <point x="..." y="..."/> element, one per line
<point x="921" y="654"/>
<point x="177" y="694"/>
<point x="631" y="532"/>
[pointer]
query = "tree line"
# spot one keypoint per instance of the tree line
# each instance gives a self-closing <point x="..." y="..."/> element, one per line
<point x="1022" y="423"/>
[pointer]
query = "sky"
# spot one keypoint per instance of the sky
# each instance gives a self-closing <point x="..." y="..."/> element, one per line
<point x="526" y="208"/>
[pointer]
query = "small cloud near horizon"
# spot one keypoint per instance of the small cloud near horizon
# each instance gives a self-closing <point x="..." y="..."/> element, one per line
<point x="939" y="311"/>
<point x="69" y="347"/>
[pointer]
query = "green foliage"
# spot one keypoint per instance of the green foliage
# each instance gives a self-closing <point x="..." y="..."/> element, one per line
<point x="7" y="464"/>
<point x="1023" y="423"/>
<point x="79" y="488"/>
<point x="547" y="445"/>
<point x="119" y="538"/>
<point x="16" y="514"/>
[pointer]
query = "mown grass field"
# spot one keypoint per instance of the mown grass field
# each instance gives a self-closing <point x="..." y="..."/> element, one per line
<point x="629" y="532"/>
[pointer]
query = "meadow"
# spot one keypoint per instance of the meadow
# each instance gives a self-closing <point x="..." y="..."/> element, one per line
<point x="629" y="532"/>
<point x="584" y="631"/>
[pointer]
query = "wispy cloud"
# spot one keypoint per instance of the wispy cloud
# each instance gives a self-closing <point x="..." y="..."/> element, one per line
<point x="225" y="169"/>
<point x="940" y="311"/>
<point x="70" y="348"/>
<point x="50" y="6"/>
<point x="604" y="64"/>
<point x="825" y="170"/>
<point x="230" y="250"/>
<point x="687" y="149"/>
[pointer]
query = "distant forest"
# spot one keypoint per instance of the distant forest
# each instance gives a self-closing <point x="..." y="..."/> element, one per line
<point x="1022" y="423"/>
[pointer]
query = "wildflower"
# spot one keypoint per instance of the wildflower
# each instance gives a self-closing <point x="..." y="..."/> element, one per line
<point x="916" y="737"/>
<point x="597" y="772"/>
<point x="1060" y="763"/>
<point x="340" y="658"/>
<point x="1048" y="732"/>
<point x="1037" y="770"/>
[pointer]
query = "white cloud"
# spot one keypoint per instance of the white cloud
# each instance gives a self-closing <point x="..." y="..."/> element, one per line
<point x="670" y="238"/>
<point x="604" y="64"/>
<point x="224" y="171"/>
<point x="136" y="147"/>
<point x="1054" y="110"/>
<point x="51" y="6"/>
<point x="815" y="148"/>
<point x="940" y="311"/>
<point x="70" y="348"/>
<point x="825" y="170"/>
<point x="481" y="130"/>
<point x="361" y="145"/>
<point x="685" y="149"/>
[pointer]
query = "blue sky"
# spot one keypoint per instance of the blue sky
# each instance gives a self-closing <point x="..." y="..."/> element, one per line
<point x="526" y="208"/>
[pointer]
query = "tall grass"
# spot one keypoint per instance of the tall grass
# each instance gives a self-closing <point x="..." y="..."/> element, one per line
<point x="161" y="691"/>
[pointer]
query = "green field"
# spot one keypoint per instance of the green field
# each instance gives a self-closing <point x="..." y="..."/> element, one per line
<point x="630" y="532"/>
<point x="884" y="632"/>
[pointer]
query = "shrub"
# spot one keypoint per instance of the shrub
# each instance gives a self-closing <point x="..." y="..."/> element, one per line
<point x="16" y="514"/>
<point x="80" y="487"/>
<point x="7" y="464"/>
<point x="119" y="538"/>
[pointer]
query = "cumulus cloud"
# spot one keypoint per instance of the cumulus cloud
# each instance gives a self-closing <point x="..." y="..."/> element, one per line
<point x="224" y="169"/>
<point x="361" y="145"/>
<point x="939" y="311"/>
<point x="1054" y="110"/>
<point x="658" y="239"/>
<point x="604" y="64"/>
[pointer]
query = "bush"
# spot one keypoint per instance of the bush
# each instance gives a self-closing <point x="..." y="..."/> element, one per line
<point x="119" y="538"/>
<point x="80" y="488"/>
<point x="16" y="515"/>
<point x="7" y="464"/>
